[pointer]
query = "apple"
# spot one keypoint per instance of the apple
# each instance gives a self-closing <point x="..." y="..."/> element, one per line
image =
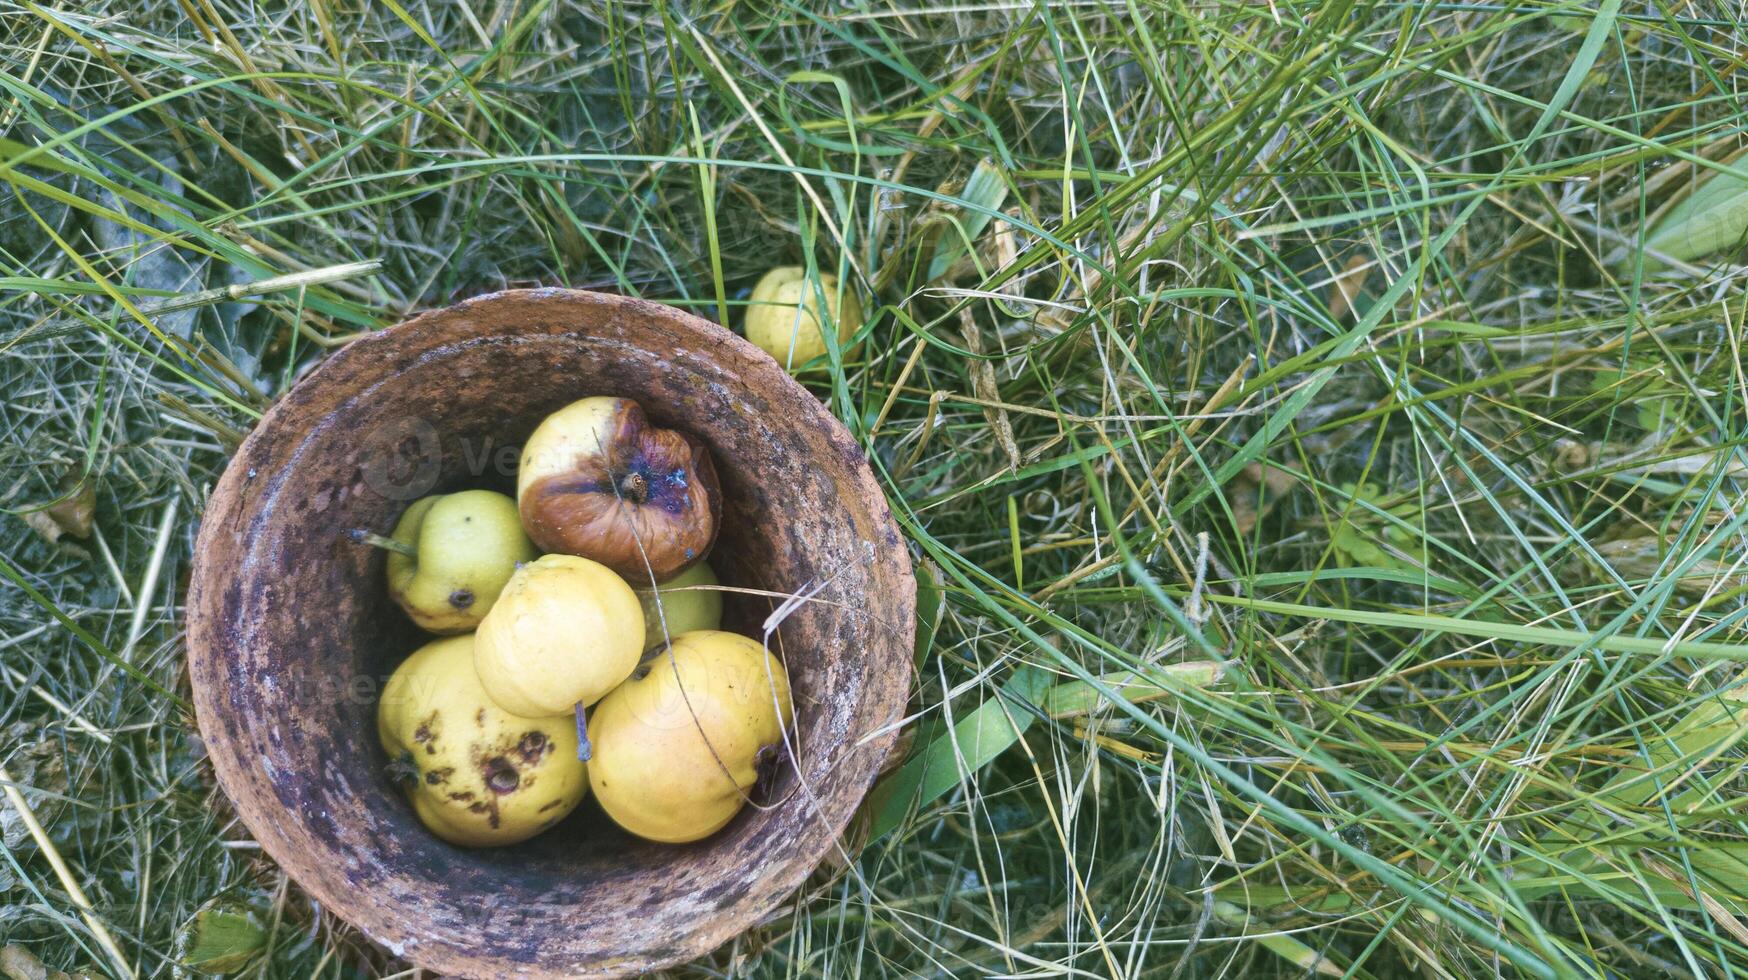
<point x="564" y="632"/>
<point x="598" y="481"/>
<point x="784" y="318"/>
<point x="677" y="607"/>
<point x="450" y="556"/>
<point x="680" y="745"/>
<point x="476" y="775"/>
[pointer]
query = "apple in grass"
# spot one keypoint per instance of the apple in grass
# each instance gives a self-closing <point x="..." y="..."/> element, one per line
<point x="788" y="315"/>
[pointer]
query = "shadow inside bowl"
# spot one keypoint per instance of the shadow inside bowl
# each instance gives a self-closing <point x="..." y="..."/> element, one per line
<point x="292" y="632"/>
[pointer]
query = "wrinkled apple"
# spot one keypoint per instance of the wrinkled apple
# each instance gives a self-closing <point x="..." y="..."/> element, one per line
<point x="564" y="632"/>
<point x="680" y="744"/>
<point x="598" y="481"/>
<point x="476" y="774"/>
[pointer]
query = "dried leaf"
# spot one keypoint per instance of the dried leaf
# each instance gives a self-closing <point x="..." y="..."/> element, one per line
<point x="51" y="531"/>
<point x="983" y="385"/>
<point x="41" y="775"/>
<point x="1346" y="288"/>
<point x="1004" y="252"/>
<point x="1255" y="479"/>
<point x="19" y="963"/>
<point x="74" y="511"/>
<point x="1718" y="912"/>
<point x="44" y="525"/>
<point x="1571" y="455"/>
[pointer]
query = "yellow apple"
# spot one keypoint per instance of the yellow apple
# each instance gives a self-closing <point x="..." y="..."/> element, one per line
<point x="678" y="746"/>
<point x="479" y="776"/>
<point x="784" y="320"/>
<point x="564" y="632"/>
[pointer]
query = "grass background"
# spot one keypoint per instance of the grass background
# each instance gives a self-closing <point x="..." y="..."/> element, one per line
<point x="1292" y="374"/>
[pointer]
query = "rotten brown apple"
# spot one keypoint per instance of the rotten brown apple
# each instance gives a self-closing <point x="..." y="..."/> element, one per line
<point x="598" y="481"/>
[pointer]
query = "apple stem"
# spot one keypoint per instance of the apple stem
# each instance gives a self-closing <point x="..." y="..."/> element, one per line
<point x="387" y="544"/>
<point x="634" y="487"/>
<point x="584" y="749"/>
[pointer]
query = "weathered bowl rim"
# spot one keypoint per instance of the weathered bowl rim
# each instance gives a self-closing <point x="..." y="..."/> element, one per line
<point x="227" y="497"/>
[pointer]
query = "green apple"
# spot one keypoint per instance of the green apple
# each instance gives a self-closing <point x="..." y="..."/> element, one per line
<point x="674" y="608"/>
<point x="455" y="552"/>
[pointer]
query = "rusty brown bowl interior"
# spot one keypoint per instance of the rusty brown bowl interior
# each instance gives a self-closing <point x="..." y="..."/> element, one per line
<point x="291" y="631"/>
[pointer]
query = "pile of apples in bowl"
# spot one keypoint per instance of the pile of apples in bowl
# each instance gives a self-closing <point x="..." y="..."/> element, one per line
<point x="674" y="718"/>
<point x="300" y="635"/>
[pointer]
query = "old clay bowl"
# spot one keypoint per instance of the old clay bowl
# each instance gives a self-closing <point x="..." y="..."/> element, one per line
<point x="291" y="632"/>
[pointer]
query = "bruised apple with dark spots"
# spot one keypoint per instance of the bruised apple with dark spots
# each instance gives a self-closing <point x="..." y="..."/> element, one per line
<point x="598" y="481"/>
<point x="476" y="775"/>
